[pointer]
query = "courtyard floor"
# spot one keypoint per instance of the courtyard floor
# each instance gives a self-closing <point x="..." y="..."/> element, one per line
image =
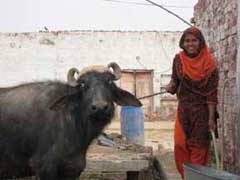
<point x="158" y="135"/>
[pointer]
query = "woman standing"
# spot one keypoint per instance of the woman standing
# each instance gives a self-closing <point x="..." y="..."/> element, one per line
<point x="195" y="80"/>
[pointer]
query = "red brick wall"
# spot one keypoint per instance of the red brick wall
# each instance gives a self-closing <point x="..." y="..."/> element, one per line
<point x="218" y="21"/>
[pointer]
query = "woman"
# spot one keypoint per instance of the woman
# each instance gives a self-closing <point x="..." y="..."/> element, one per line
<point x="194" y="79"/>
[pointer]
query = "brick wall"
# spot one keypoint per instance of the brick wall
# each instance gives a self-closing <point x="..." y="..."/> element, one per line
<point x="218" y="21"/>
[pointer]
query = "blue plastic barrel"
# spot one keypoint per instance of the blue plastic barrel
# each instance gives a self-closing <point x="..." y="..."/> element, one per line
<point x="132" y="124"/>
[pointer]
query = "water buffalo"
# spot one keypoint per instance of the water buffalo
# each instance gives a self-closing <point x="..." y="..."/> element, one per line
<point x="46" y="127"/>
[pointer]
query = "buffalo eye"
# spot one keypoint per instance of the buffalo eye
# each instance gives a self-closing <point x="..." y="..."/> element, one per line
<point x="82" y="85"/>
<point x="110" y="81"/>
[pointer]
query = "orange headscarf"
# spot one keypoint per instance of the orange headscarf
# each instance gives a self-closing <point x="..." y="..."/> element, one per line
<point x="200" y="66"/>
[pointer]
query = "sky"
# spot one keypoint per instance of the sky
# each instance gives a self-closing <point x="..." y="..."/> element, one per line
<point x="124" y="15"/>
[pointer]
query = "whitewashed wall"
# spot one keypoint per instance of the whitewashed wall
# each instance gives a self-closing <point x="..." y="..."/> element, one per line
<point x="28" y="57"/>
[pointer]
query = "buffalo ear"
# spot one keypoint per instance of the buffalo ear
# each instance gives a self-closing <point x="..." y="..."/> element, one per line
<point x="124" y="98"/>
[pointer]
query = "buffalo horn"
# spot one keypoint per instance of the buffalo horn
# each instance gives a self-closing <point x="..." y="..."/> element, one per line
<point x="72" y="81"/>
<point x="116" y="70"/>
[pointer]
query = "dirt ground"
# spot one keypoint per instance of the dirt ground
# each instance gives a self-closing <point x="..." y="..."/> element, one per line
<point x="158" y="135"/>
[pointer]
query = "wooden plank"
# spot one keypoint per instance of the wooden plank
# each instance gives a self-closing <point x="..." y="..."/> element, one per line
<point x="120" y="165"/>
<point x="103" y="175"/>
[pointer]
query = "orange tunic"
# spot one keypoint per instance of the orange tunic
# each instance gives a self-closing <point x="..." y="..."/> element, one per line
<point x="195" y="81"/>
<point x="187" y="154"/>
<point x="193" y="98"/>
<point x="196" y="87"/>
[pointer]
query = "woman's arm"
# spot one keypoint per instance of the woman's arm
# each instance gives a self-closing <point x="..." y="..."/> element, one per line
<point x="212" y="100"/>
<point x="211" y="117"/>
<point x="172" y="86"/>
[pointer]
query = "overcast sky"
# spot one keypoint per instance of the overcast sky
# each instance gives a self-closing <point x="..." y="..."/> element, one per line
<point x="33" y="15"/>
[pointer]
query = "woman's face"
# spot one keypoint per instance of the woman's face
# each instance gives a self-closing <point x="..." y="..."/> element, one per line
<point x="191" y="44"/>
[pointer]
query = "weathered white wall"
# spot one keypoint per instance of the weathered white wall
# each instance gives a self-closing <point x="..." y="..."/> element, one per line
<point x="26" y="57"/>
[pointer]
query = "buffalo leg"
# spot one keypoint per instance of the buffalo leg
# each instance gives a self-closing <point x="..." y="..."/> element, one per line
<point x="48" y="171"/>
<point x="44" y="175"/>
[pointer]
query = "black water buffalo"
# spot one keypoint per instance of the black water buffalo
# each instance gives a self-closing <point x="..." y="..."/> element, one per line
<point x="46" y="127"/>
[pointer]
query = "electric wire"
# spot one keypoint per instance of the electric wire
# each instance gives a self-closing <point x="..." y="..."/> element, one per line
<point x="174" y="14"/>
<point x="145" y="4"/>
<point x="164" y="8"/>
<point x="160" y="6"/>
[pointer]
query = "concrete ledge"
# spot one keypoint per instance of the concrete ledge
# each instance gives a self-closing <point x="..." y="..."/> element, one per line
<point x="108" y="165"/>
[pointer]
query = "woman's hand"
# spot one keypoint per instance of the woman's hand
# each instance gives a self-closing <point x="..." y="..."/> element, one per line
<point x="211" y="124"/>
<point x="168" y="87"/>
<point x="211" y="118"/>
